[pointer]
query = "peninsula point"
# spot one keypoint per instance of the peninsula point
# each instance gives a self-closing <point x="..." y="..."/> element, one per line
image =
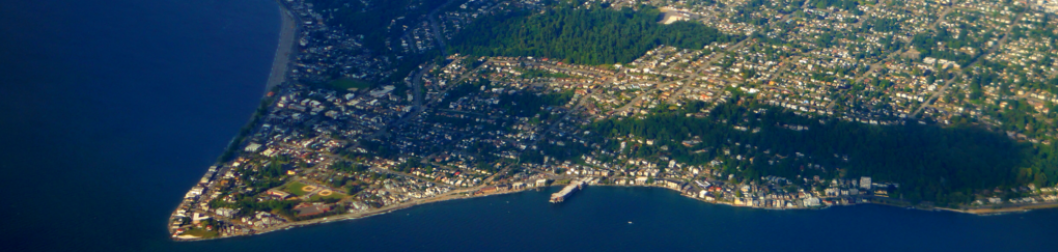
<point x="379" y="105"/>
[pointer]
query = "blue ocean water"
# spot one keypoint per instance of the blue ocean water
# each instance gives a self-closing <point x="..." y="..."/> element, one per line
<point x="111" y="110"/>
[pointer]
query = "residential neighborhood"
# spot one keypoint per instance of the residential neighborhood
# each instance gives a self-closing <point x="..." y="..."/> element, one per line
<point x="337" y="141"/>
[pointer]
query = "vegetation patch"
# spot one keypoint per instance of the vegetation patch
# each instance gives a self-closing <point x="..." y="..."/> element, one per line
<point x="202" y="232"/>
<point x="295" y="188"/>
<point x="527" y="104"/>
<point x="945" y="165"/>
<point x="346" y="84"/>
<point x="329" y="197"/>
<point x="369" y="18"/>
<point x="582" y="36"/>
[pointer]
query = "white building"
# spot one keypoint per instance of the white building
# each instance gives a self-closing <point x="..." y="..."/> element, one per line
<point x="541" y="182"/>
<point x="865" y="183"/>
<point x="811" y="202"/>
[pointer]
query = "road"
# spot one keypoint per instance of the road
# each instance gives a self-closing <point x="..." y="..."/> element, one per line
<point x="432" y="16"/>
<point x="416" y="85"/>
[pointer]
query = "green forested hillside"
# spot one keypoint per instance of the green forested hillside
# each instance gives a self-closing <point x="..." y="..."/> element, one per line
<point x="582" y="36"/>
<point x="943" y="165"/>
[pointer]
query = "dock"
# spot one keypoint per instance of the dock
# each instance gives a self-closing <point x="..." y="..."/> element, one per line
<point x="569" y="190"/>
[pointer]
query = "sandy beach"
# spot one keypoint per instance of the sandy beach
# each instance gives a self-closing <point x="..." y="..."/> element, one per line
<point x="1003" y="210"/>
<point x="284" y="51"/>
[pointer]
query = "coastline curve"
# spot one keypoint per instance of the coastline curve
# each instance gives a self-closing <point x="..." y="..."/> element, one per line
<point x="284" y="49"/>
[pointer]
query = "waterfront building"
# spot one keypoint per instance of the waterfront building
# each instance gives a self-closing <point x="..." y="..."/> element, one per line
<point x="865" y="183"/>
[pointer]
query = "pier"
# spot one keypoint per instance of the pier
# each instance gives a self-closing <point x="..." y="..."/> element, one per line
<point x="569" y="189"/>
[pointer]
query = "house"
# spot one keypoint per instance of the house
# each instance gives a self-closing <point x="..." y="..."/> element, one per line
<point x="641" y="180"/>
<point x="194" y="192"/>
<point x="252" y="147"/>
<point x="672" y="184"/>
<point x="811" y="202"/>
<point x="831" y="192"/>
<point x="206" y="178"/>
<point x="865" y="183"/>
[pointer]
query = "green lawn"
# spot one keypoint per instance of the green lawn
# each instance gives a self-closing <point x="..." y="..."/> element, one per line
<point x="294" y="188"/>
<point x="345" y="84"/>
<point x="335" y="195"/>
<point x="202" y="232"/>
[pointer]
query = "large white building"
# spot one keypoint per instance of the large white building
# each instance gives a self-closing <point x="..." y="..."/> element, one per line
<point x="811" y="202"/>
<point x="865" y="183"/>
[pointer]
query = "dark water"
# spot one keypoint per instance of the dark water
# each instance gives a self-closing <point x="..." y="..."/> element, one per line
<point x="111" y="110"/>
<point x="597" y="220"/>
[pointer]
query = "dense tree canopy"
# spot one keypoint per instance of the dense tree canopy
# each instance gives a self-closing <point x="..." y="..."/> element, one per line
<point x="583" y="36"/>
<point x="373" y="19"/>
<point x="944" y="165"/>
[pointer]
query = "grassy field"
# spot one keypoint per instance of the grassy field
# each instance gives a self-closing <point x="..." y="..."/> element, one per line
<point x="294" y="188"/>
<point x="346" y="84"/>
<point x="202" y="232"/>
<point x="334" y="196"/>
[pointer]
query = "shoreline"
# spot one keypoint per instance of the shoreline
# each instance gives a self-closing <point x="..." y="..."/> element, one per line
<point x="279" y="74"/>
<point x="469" y="195"/>
<point x="1002" y="210"/>
<point x="285" y="52"/>
<point x="361" y="215"/>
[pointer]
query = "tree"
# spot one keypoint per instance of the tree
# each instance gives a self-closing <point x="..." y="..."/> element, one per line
<point x="576" y="35"/>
